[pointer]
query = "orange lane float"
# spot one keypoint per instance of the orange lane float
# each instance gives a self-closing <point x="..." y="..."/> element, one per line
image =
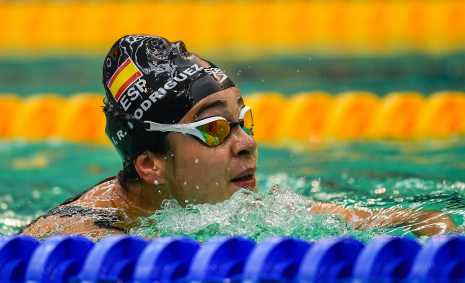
<point x="38" y="117"/>
<point x="352" y="115"/>
<point x="443" y="115"/>
<point x="308" y="116"/>
<point x="327" y="27"/>
<point x="9" y="105"/>
<point x="267" y="109"/>
<point x="398" y="117"/>
<point x="83" y="119"/>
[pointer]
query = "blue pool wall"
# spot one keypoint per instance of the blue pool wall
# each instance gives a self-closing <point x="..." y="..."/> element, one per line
<point x="122" y="258"/>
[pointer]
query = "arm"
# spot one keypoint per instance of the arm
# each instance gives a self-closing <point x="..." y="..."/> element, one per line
<point x="420" y="223"/>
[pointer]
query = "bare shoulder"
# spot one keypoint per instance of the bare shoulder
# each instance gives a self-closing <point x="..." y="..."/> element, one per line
<point x="102" y="195"/>
<point x="75" y="225"/>
<point x="78" y="215"/>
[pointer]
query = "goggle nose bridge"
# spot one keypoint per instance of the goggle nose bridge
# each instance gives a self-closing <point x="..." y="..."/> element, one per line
<point x="241" y="123"/>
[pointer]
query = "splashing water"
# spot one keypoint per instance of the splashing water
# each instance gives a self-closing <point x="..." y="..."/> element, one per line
<point x="282" y="211"/>
<point x="426" y="175"/>
<point x="271" y="212"/>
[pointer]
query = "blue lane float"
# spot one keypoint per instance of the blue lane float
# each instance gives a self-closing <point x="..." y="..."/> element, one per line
<point x="112" y="260"/>
<point x="58" y="259"/>
<point x="129" y="259"/>
<point x="165" y="260"/>
<point x="15" y="253"/>
<point x="386" y="259"/>
<point x="219" y="259"/>
<point x="330" y="260"/>
<point x="275" y="260"/>
<point x="442" y="259"/>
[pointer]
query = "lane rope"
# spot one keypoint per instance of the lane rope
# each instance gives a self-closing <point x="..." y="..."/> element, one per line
<point x="308" y="116"/>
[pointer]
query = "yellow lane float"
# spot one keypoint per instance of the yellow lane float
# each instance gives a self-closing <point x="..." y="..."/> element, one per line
<point x="267" y="109"/>
<point x="257" y="26"/>
<point x="352" y="115"/>
<point x="398" y="117"/>
<point x="9" y="106"/>
<point x="38" y="116"/>
<point x="443" y="115"/>
<point x="83" y="119"/>
<point x="307" y="116"/>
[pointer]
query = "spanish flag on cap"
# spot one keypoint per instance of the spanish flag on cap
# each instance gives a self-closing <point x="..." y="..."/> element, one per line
<point x="123" y="78"/>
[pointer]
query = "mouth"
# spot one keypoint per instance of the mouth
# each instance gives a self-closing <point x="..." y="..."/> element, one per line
<point x="245" y="179"/>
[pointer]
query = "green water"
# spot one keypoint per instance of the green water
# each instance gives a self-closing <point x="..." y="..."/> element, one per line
<point x="283" y="73"/>
<point x="35" y="177"/>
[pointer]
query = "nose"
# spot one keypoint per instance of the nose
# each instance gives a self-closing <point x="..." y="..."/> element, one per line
<point x="244" y="145"/>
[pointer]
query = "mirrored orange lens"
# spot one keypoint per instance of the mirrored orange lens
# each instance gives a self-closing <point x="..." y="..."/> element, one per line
<point x="218" y="129"/>
<point x="211" y="140"/>
<point x="215" y="132"/>
<point x="222" y="129"/>
<point x="248" y="119"/>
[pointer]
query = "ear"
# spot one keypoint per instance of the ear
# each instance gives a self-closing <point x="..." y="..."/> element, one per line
<point x="151" y="168"/>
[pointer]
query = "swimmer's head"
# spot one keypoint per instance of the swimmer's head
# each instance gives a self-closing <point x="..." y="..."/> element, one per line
<point x="155" y="90"/>
<point x="148" y="78"/>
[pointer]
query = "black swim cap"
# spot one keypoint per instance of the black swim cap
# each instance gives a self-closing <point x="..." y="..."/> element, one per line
<point x="148" y="78"/>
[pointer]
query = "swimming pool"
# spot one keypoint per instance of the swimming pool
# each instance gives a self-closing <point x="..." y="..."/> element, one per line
<point x="427" y="174"/>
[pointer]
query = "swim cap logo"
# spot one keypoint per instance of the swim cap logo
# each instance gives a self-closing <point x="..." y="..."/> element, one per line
<point x="159" y="48"/>
<point x="170" y="84"/>
<point x="191" y="71"/>
<point x="123" y="78"/>
<point x="216" y="71"/>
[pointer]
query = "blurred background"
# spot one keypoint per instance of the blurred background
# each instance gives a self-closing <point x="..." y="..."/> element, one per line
<point x="395" y="131"/>
<point x="284" y="46"/>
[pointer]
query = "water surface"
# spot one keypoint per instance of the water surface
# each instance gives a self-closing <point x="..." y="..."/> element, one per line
<point x="429" y="174"/>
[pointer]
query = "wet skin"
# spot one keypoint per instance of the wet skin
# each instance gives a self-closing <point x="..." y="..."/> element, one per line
<point x="195" y="172"/>
<point x="192" y="172"/>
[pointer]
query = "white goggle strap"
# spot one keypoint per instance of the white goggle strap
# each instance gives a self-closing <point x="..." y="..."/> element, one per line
<point x="243" y="111"/>
<point x="183" y="128"/>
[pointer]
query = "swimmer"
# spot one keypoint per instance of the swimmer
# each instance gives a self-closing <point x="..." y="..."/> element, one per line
<point x="184" y="132"/>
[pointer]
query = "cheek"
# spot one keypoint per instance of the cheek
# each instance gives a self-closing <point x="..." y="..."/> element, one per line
<point x="195" y="163"/>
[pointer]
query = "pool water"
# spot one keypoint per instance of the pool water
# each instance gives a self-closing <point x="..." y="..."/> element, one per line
<point x="427" y="174"/>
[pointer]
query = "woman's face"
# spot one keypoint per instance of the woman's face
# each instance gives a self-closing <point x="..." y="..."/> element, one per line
<point x="204" y="174"/>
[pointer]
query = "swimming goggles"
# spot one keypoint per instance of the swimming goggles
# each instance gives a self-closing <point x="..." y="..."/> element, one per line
<point x="213" y="130"/>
